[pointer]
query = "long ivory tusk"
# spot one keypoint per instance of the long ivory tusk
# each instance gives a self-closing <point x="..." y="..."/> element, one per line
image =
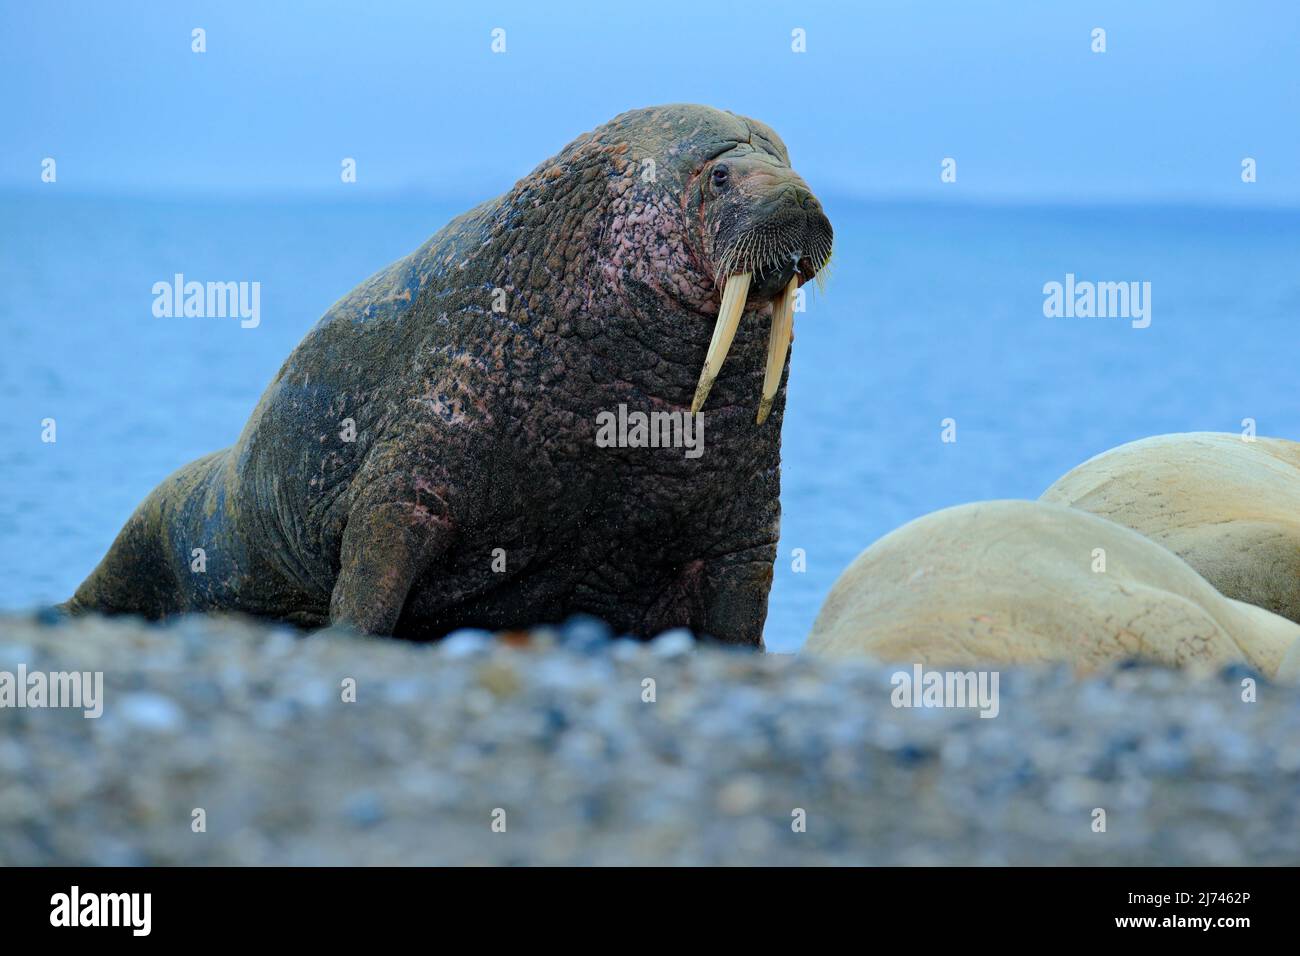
<point x="733" y="303"/>
<point x="778" y="343"/>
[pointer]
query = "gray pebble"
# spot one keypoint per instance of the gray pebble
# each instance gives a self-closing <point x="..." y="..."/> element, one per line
<point x="148" y="711"/>
<point x="673" y="643"/>
<point x="464" y="643"/>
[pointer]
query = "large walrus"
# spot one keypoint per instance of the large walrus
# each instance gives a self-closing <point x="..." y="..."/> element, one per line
<point x="427" y="459"/>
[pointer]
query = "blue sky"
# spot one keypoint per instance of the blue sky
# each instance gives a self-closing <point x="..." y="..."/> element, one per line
<point x="885" y="91"/>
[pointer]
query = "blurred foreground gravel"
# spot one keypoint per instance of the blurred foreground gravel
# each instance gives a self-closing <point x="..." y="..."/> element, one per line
<point x="248" y="723"/>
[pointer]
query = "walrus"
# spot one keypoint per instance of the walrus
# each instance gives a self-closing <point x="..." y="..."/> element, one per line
<point x="426" y="458"/>
<point x="1289" y="670"/>
<point x="1029" y="582"/>
<point x="1228" y="506"/>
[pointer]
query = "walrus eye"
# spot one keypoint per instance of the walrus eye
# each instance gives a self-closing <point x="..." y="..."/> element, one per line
<point x="721" y="176"/>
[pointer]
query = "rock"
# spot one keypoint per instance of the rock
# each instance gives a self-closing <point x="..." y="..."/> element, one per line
<point x="1228" y="507"/>
<point x="148" y="711"/>
<point x="500" y="678"/>
<point x="50" y="616"/>
<point x="465" y="643"/>
<point x="673" y="643"/>
<point x="585" y="634"/>
<point x="12" y="655"/>
<point x="741" y="795"/>
<point x="365" y="810"/>
<point x="1020" y="582"/>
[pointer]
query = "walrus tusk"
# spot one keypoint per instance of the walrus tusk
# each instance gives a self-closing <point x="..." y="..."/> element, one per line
<point x="778" y="343"/>
<point x="733" y="303"/>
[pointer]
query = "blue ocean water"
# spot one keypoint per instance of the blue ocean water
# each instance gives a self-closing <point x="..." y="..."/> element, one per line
<point x="931" y="312"/>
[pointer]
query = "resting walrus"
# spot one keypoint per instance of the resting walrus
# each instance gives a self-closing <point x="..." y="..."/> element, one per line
<point x="470" y="376"/>
<point x="1026" y="582"/>
<point x="1227" y="505"/>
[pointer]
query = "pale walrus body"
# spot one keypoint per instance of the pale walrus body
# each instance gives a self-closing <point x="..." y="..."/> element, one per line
<point x="1024" y="582"/>
<point x="475" y="369"/>
<point x="1228" y="507"/>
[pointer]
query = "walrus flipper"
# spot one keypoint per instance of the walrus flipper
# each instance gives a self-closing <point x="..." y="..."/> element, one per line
<point x="385" y="549"/>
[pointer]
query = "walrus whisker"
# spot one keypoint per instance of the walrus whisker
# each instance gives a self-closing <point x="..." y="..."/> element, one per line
<point x="764" y="248"/>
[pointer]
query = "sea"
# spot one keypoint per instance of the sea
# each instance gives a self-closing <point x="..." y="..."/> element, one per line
<point x="926" y="373"/>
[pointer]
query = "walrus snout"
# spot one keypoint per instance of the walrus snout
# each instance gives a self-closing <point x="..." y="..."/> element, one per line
<point x="804" y="232"/>
<point x="801" y="247"/>
<point x="764" y="218"/>
<point x="774" y="229"/>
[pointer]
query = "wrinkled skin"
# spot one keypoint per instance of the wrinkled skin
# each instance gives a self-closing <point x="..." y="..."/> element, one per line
<point x="475" y="428"/>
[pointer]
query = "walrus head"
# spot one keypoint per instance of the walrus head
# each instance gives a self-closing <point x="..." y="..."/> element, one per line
<point x="766" y="235"/>
<point x="714" y="218"/>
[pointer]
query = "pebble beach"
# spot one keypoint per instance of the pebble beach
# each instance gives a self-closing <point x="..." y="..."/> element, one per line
<point x="223" y="741"/>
